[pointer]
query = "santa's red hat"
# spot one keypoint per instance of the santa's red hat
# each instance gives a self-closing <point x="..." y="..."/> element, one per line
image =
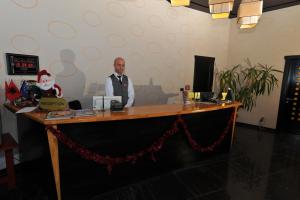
<point x="42" y="73"/>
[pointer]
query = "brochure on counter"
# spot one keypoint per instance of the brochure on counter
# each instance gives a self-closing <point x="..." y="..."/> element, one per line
<point x="67" y="114"/>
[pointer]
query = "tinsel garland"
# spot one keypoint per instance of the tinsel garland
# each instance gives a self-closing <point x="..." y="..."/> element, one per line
<point x="110" y="161"/>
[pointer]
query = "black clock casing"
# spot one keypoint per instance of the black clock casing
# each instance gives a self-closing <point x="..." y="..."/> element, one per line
<point x="19" y="64"/>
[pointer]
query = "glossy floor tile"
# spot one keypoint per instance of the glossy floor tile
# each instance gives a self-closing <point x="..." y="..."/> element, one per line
<point x="260" y="166"/>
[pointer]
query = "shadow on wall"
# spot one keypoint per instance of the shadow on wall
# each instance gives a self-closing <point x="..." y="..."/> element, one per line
<point x="151" y="94"/>
<point x="144" y="94"/>
<point x="71" y="79"/>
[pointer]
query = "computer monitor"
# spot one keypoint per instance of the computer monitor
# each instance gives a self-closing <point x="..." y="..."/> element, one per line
<point x="103" y="102"/>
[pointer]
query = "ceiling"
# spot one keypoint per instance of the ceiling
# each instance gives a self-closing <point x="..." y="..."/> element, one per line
<point x="202" y="5"/>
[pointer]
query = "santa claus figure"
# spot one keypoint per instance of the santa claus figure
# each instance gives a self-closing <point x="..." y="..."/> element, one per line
<point x="47" y="85"/>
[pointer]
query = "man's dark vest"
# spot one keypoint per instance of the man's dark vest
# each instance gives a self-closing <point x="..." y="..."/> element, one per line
<point x="120" y="89"/>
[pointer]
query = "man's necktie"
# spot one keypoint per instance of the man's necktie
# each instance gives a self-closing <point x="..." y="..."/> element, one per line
<point x="120" y="80"/>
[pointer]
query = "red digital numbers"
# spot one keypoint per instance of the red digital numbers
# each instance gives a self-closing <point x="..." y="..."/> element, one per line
<point x="24" y="65"/>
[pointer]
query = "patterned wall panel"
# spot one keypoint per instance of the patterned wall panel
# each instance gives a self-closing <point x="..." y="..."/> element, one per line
<point x="78" y="40"/>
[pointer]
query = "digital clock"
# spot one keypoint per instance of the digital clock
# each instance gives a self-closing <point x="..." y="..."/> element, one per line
<point x="19" y="64"/>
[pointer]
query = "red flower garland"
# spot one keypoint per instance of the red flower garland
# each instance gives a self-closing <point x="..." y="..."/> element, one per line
<point x="110" y="161"/>
<point x="198" y="147"/>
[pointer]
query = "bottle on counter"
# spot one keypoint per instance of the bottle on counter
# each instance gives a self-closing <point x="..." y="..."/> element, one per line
<point x="181" y="96"/>
<point x="186" y="95"/>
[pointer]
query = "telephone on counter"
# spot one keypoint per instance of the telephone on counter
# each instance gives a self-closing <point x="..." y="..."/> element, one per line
<point x="116" y="105"/>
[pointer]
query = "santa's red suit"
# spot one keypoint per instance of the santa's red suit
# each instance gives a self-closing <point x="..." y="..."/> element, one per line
<point x="47" y="85"/>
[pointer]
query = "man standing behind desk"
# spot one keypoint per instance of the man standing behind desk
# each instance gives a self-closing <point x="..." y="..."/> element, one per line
<point x="119" y="84"/>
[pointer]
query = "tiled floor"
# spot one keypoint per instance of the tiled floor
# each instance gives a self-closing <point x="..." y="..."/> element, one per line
<point x="261" y="166"/>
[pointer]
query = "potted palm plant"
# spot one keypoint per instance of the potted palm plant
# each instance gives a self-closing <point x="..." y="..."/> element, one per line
<point x="248" y="82"/>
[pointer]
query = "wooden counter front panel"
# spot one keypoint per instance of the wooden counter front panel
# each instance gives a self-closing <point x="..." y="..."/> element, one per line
<point x="119" y="138"/>
<point x="116" y="134"/>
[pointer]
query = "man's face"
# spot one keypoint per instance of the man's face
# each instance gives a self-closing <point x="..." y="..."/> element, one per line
<point x="119" y="66"/>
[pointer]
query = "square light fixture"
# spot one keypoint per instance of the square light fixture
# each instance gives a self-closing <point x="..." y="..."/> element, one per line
<point x="180" y="2"/>
<point x="249" y="13"/>
<point x="220" y="9"/>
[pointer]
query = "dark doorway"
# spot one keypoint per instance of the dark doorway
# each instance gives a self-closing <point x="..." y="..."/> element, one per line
<point x="289" y="109"/>
<point x="203" y="74"/>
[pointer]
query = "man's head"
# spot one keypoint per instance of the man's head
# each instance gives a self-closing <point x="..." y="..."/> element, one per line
<point x="119" y="65"/>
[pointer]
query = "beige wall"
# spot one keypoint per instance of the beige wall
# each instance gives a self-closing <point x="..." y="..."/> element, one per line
<point x="77" y="41"/>
<point x="277" y="35"/>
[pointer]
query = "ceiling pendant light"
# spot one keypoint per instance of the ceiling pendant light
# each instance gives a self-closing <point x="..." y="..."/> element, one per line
<point x="249" y="13"/>
<point x="180" y="2"/>
<point x="220" y="9"/>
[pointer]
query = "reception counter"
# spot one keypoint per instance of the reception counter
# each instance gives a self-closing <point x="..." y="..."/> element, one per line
<point x="176" y="133"/>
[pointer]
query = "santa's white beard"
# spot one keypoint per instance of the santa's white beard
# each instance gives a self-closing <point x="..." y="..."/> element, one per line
<point x="46" y="86"/>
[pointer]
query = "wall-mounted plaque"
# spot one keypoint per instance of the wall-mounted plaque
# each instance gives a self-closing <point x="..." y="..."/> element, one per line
<point x="18" y="64"/>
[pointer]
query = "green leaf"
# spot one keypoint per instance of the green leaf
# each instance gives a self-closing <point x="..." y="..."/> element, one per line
<point x="248" y="82"/>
